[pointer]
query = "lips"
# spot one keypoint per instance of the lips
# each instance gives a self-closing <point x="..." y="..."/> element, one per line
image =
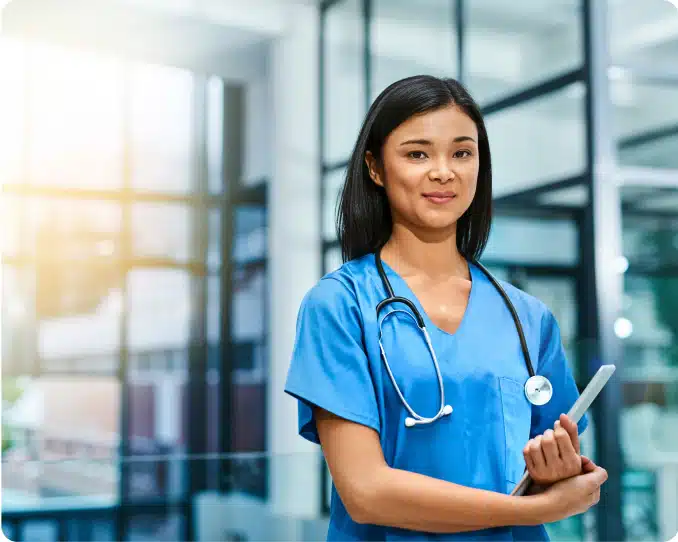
<point x="439" y="197"/>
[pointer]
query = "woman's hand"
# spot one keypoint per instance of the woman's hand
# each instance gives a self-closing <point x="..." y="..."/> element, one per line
<point x="575" y="495"/>
<point x="554" y="455"/>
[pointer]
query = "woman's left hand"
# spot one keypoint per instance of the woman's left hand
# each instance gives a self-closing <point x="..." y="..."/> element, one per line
<point x="554" y="455"/>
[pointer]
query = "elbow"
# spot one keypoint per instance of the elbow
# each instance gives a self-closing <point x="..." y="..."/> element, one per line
<point x="361" y="505"/>
<point x="362" y="501"/>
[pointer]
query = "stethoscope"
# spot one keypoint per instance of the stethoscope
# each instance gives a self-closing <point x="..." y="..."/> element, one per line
<point x="538" y="389"/>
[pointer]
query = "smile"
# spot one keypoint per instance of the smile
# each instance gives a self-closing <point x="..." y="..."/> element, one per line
<point x="440" y="198"/>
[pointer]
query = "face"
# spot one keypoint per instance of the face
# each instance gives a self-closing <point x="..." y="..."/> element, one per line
<point x="429" y="169"/>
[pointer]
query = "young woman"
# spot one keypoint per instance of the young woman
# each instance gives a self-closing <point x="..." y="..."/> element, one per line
<point x="430" y="406"/>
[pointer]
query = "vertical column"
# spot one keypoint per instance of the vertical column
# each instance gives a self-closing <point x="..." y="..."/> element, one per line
<point x="600" y="291"/>
<point x="197" y="349"/>
<point x="233" y="122"/>
<point x="294" y="252"/>
<point x="121" y="517"/>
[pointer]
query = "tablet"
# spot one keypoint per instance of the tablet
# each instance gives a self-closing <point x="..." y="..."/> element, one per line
<point x="581" y="405"/>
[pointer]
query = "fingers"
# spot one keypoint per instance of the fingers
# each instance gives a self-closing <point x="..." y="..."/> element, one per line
<point x="572" y="430"/>
<point x="587" y="465"/>
<point x="534" y="457"/>
<point x="550" y="448"/>
<point x="569" y="457"/>
<point x="598" y="476"/>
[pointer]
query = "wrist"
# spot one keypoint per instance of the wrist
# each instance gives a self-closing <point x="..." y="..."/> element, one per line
<point x="536" y="509"/>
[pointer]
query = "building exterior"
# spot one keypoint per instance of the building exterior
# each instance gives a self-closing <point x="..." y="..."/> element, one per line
<point x="170" y="171"/>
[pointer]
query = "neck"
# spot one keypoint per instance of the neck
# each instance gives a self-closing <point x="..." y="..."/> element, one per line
<point x="434" y="256"/>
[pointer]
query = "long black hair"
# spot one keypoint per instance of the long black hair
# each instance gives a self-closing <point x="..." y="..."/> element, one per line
<point x="364" y="222"/>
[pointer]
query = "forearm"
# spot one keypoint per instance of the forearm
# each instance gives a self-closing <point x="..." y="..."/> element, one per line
<point x="408" y="500"/>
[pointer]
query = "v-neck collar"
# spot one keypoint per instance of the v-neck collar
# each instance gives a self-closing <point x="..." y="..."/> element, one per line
<point x="401" y="283"/>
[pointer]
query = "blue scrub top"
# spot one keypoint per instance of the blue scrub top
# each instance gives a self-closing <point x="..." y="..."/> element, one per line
<point x="337" y="365"/>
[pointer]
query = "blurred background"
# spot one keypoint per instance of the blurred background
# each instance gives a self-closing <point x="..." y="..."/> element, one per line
<point x="170" y="170"/>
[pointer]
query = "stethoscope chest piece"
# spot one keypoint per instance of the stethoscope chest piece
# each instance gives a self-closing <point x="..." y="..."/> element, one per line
<point x="538" y="390"/>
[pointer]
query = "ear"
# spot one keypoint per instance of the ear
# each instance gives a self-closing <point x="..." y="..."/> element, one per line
<point x="373" y="169"/>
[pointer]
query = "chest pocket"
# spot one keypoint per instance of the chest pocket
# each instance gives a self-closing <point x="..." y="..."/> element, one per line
<point x="517" y="413"/>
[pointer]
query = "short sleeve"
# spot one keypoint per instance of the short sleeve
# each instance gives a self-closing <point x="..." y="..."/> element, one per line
<point x="553" y="364"/>
<point x="329" y="367"/>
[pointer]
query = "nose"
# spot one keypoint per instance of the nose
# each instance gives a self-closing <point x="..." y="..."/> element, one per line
<point x="441" y="172"/>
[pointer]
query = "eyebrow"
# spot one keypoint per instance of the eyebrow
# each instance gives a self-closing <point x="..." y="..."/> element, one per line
<point x="427" y="142"/>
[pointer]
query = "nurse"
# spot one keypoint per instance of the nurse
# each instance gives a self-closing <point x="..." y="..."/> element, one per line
<point x="426" y="432"/>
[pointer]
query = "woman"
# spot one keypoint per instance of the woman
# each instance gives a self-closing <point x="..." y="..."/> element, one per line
<point x="406" y="462"/>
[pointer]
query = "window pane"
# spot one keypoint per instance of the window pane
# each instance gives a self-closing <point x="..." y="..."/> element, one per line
<point x="48" y="423"/>
<point x="159" y="307"/>
<point x="13" y="213"/>
<point x="401" y="30"/>
<point x="646" y="117"/>
<point x="75" y="128"/>
<point x="162" y="230"/>
<point x="66" y="229"/>
<point x="650" y="370"/>
<point x="344" y="79"/>
<point x="522" y="240"/>
<point x="250" y="233"/>
<point x="215" y="134"/>
<point x="643" y="33"/>
<point x="332" y="259"/>
<point x="249" y="298"/>
<point x="258" y="110"/>
<point x="12" y="110"/>
<point x="213" y="308"/>
<point x="18" y="320"/>
<point x="540" y="141"/>
<point x="513" y="45"/>
<point x="161" y="129"/>
<point x="334" y="181"/>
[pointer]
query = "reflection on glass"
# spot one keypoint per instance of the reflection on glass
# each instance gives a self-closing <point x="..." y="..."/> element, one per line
<point x="513" y="45"/>
<point x="161" y="129"/>
<point x="334" y="181"/>
<point x="75" y="124"/>
<point x="162" y="230"/>
<point x="650" y="373"/>
<point x="537" y="142"/>
<point x="159" y="306"/>
<point x="401" y="33"/>
<point x="343" y="79"/>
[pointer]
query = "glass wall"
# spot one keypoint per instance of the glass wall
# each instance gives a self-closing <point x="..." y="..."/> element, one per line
<point x="134" y="285"/>
<point x="529" y="67"/>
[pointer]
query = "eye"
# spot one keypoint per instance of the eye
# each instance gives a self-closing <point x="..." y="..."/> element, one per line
<point x="416" y="155"/>
<point x="462" y="154"/>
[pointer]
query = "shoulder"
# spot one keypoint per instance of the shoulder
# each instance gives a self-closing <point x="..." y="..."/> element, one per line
<point x="338" y="288"/>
